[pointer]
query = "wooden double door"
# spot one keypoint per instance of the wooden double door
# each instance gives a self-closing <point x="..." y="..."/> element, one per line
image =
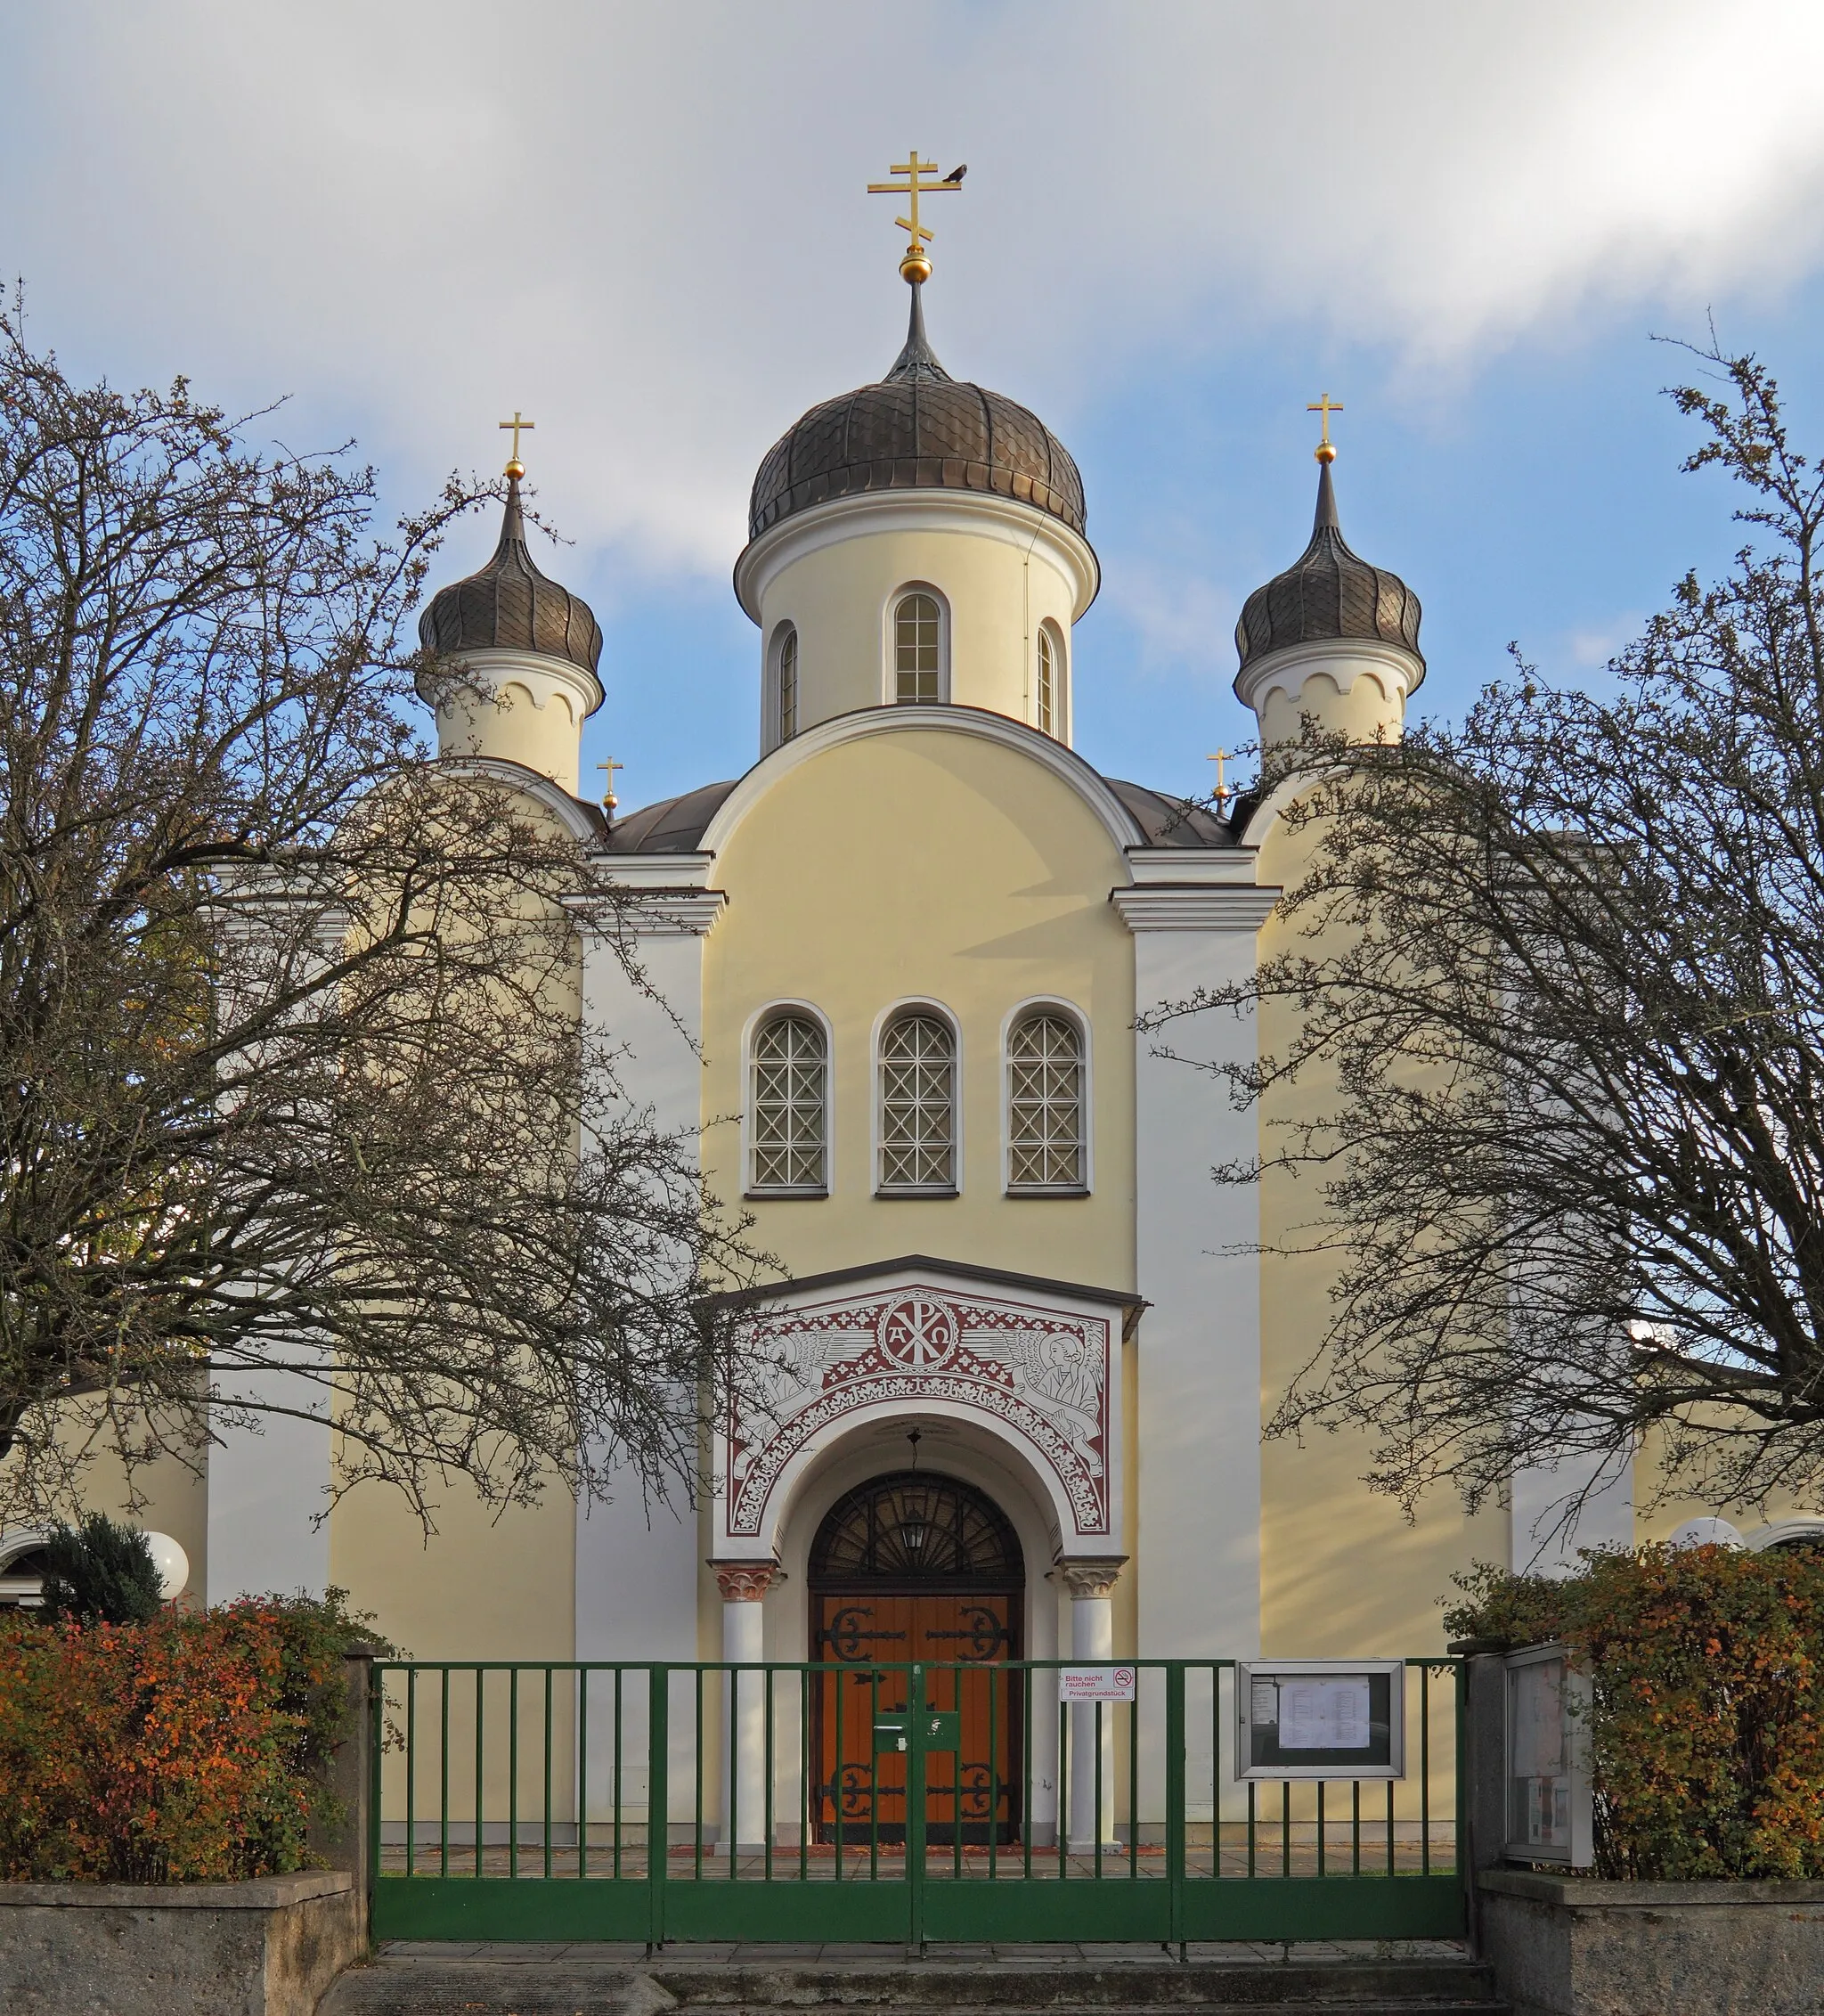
<point x="967" y="1638"/>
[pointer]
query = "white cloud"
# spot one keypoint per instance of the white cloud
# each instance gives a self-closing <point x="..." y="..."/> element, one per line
<point x="645" y="226"/>
<point x="1181" y="621"/>
<point x="1592" y="647"/>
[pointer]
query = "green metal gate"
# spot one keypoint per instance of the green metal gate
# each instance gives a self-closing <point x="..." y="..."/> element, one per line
<point x="583" y="1801"/>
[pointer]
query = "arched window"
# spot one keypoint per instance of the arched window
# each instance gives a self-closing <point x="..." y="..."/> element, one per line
<point x="1045" y="1103"/>
<point x="790" y="1103"/>
<point x="916" y="1529"/>
<point x="788" y="685"/>
<point x="1047" y="683"/>
<point x="918" y="1105"/>
<point x="917" y="648"/>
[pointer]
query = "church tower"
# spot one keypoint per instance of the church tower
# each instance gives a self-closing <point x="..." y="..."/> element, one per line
<point x="519" y="652"/>
<point x="919" y="540"/>
<point x="1331" y="640"/>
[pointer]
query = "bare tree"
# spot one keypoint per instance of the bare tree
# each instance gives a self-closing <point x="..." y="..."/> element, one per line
<point x="295" y="1080"/>
<point x="1564" y="969"/>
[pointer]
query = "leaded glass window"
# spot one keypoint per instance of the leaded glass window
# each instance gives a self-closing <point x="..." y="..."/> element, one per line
<point x="917" y="1105"/>
<point x="790" y="1068"/>
<point x="788" y="685"/>
<point x="1047" y="684"/>
<point x="1045" y="1104"/>
<point x="915" y="646"/>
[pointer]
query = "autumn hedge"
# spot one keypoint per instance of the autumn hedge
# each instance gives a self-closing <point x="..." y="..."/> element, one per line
<point x="188" y="1749"/>
<point x="1706" y="1724"/>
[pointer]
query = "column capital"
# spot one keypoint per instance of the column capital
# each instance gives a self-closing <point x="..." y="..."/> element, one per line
<point x="1091" y="1576"/>
<point x="745" y="1581"/>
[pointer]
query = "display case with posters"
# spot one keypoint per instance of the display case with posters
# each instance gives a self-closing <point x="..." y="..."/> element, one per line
<point x="1550" y="1812"/>
<point x="1321" y="1719"/>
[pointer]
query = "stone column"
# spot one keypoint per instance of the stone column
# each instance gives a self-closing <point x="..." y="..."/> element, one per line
<point x="743" y="1585"/>
<point x="1091" y="1583"/>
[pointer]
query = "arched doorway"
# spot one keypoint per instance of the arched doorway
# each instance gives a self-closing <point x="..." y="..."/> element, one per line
<point x="917" y="1566"/>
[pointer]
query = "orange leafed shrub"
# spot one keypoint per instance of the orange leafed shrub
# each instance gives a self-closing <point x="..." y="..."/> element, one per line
<point x="186" y="1749"/>
<point x="1706" y="1721"/>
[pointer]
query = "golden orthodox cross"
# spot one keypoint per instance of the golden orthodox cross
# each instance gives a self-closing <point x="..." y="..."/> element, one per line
<point x="611" y="766"/>
<point x="1324" y="403"/>
<point x="914" y="187"/>
<point x="1224" y="792"/>
<point x="516" y="466"/>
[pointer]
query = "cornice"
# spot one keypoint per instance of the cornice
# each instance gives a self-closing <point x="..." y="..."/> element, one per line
<point x="970" y="513"/>
<point x="656" y="871"/>
<point x="1194" y="907"/>
<point x="1215" y="868"/>
<point x="650" y="913"/>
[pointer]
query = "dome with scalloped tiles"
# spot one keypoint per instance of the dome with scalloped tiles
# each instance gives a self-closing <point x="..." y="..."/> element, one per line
<point x="918" y="429"/>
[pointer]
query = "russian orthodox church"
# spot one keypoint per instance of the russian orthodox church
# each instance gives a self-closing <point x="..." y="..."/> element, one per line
<point x="1017" y="1370"/>
<point x="1022" y="1355"/>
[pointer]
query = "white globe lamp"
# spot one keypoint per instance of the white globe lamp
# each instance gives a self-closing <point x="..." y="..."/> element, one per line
<point x="172" y="1563"/>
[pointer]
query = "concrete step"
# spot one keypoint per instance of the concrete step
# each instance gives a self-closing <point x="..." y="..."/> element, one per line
<point x="503" y="1980"/>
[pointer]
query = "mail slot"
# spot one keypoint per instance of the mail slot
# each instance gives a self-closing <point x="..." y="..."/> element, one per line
<point x="932" y="1729"/>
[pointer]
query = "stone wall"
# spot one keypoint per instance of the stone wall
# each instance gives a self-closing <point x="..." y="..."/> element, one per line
<point x="264" y="1949"/>
<point x="1572" y="1947"/>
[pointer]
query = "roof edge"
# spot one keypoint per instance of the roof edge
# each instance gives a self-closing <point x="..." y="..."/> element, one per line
<point x="925" y="1263"/>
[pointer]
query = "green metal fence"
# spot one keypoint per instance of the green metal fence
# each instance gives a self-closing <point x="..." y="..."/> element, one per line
<point x="658" y="1802"/>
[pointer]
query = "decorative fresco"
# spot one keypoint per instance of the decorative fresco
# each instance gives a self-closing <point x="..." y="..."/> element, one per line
<point x="1043" y="1373"/>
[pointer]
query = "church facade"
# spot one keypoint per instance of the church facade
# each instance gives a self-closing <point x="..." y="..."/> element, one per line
<point x="1017" y="1370"/>
<point x="1020" y="1358"/>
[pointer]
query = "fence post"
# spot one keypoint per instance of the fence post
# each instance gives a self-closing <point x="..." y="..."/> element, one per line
<point x="345" y="1842"/>
<point x="1174" y="1821"/>
<point x="1482" y="1794"/>
<point x="916" y="1704"/>
<point x="658" y="1800"/>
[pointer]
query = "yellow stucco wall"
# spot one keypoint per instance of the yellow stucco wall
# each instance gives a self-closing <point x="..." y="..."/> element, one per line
<point x="914" y="864"/>
<point x="489" y="1584"/>
<point x="996" y="592"/>
<point x="1342" y="1570"/>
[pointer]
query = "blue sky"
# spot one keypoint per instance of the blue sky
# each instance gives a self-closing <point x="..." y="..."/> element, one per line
<point x="647" y="228"/>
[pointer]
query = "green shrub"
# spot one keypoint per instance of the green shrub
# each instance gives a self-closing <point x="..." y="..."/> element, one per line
<point x="99" y="1572"/>
<point x="1706" y="1722"/>
<point x="186" y="1749"/>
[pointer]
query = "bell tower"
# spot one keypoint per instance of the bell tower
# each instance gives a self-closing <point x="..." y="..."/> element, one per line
<point x="514" y="676"/>
<point x="1333" y="639"/>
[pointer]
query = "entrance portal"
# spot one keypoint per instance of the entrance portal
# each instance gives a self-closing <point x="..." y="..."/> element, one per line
<point x="908" y="1567"/>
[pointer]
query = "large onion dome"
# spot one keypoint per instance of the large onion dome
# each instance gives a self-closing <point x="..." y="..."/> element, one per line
<point x="508" y="604"/>
<point x="918" y="429"/>
<point x="1328" y="593"/>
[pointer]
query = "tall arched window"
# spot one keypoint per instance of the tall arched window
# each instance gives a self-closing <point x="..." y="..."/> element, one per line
<point x="917" y="648"/>
<point x="1047" y="683"/>
<point x="918" y="1105"/>
<point x="788" y="685"/>
<point x="790" y="1102"/>
<point x="1045" y="1103"/>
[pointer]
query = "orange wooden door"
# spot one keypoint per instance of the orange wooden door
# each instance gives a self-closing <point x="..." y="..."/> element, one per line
<point x="973" y="1789"/>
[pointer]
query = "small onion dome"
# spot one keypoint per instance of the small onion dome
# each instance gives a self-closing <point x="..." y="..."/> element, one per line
<point x="508" y="604"/>
<point x="1328" y="593"/>
<point x="917" y="429"/>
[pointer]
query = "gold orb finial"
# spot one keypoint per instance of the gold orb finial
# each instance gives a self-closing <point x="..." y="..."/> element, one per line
<point x="515" y="468"/>
<point x="915" y="268"/>
<point x="1325" y="452"/>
